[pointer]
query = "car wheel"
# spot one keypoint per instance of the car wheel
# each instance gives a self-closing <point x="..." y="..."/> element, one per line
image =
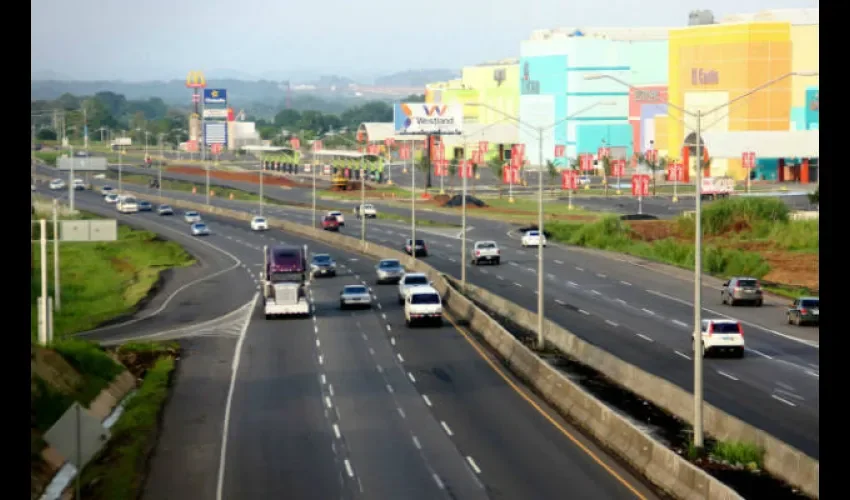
<point x="341" y="305"/>
<point x="759" y="303"/>
<point x="400" y="301"/>
<point x="798" y="320"/>
<point x="788" y="317"/>
<point x="407" y="322"/>
<point x="722" y="298"/>
<point x="705" y="351"/>
<point x="498" y="261"/>
<point x="739" y="353"/>
<point x="268" y="316"/>
<point x="731" y="302"/>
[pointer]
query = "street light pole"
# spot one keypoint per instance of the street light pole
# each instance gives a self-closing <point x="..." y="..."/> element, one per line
<point x="159" y="175"/>
<point x="463" y="226"/>
<point x="363" y="209"/>
<point x="262" y="174"/>
<point x="541" y="342"/>
<point x="315" y="167"/>
<point x="412" y="202"/>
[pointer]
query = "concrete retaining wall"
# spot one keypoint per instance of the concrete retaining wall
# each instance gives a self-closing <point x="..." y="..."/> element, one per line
<point x="656" y="461"/>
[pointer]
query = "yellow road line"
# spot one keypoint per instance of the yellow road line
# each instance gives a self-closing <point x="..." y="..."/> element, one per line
<point x="540" y="410"/>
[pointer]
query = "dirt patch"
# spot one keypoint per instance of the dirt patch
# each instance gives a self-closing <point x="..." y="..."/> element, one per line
<point x="248" y="177"/>
<point x="138" y="362"/>
<point x="651" y="230"/>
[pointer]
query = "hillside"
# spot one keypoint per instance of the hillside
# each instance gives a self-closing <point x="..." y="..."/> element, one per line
<point x="416" y="78"/>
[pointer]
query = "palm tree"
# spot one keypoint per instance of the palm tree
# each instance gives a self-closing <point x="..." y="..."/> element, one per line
<point x="606" y="171"/>
<point x="552" y="170"/>
<point x="498" y="169"/>
<point x="452" y="172"/>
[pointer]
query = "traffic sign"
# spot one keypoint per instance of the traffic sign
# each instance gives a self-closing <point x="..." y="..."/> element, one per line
<point x="317" y="145"/>
<point x="748" y="159"/>
<point x="560" y="150"/>
<point x="604" y="153"/>
<point x="586" y="162"/>
<point x="215" y="149"/>
<point x="675" y="172"/>
<point x="569" y="179"/>
<point x="618" y="167"/>
<point x="640" y="185"/>
<point x="295" y="142"/>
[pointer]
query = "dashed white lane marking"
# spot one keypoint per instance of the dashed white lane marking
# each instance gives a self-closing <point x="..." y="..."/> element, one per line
<point x="484" y="271"/>
<point x="678" y="353"/>
<point x="371" y="351"/>
<point x="316" y="329"/>
<point x="318" y="343"/>
<point x="730" y="377"/>
<point x="389" y="328"/>
<point x="324" y="379"/>
<point x="321" y="359"/>
<point x="427" y="400"/>
<point x="411" y="377"/>
<point x="584" y="312"/>
<point x="390" y="389"/>
<point x="452" y="260"/>
<point x="380" y="368"/>
<point x="336" y="432"/>
<point x="760" y="353"/>
<point x="625" y="283"/>
<point x="644" y="337"/>
<point x="331" y="390"/>
<point x="392" y="340"/>
<point x="536" y="292"/>
<point x="559" y="262"/>
<point x="680" y="323"/>
<point x="550" y="276"/>
<point x="601" y="275"/>
<point x="499" y="277"/>
<point x="620" y="301"/>
<point x="579" y="268"/>
<point x="647" y="311"/>
<point x="813" y="374"/>
<point x="401" y="359"/>
<point x="611" y="323"/>
<point x="447" y="245"/>
<point x="446" y="428"/>
<point x="416" y="443"/>
<point x="439" y="482"/>
<point x="379" y="306"/>
<point x="560" y="302"/>
<point x="789" y="403"/>
<point x="595" y="292"/>
<point x="512" y="263"/>
<point x="532" y="271"/>
<point x="348" y="468"/>
<point x="328" y="402"/>
<point x="401" y="412"/>
<point x="785" y="386"/>
<point x="572" y="283"/>
<point x="364" y="336"/>
<point x="473" y="465"/>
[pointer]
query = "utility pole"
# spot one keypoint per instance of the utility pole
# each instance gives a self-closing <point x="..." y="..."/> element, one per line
<point x="57" y="290"/>
<point x="698" y="354"/>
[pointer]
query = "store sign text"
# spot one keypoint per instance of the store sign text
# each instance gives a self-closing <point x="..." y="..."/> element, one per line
<point x="701" y="76"/>
<point x="647" y="95"/>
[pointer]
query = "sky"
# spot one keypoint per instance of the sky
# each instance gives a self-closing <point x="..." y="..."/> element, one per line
<point x="164" y="39"/>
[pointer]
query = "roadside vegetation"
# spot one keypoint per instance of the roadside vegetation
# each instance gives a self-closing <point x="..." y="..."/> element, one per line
<point x="742" y="236"/>
<point x="102" y="281"/>
<point x="186" y="187"/>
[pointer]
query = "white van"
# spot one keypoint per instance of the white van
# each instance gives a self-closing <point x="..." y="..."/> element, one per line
<point x="127" y="204"/>
<point x="423" y="305"/>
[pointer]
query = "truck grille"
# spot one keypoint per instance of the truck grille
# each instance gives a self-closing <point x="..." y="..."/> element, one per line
<point x="286" y="294"/>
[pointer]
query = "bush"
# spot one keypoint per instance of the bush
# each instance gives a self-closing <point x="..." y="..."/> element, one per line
<point x="720" y="216"/>
<point x="98" y="369"/>
<point x="739" y="453"/>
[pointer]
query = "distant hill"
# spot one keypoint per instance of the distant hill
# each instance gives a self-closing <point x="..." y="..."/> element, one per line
<point x="416" y="77"/>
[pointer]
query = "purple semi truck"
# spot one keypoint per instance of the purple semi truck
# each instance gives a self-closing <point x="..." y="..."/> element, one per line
<point x="284" y="281"/>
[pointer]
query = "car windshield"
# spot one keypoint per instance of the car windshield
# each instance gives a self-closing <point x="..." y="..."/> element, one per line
<point x="165" y="207"/>
<point x="810" y="303"/>
<point x="748" y="283"/>
<point x="416" y="280"/>
<point x="191" y="214"/>
<point x="335" y="214"/>
<point x="330" y="218"/>
<point x="388" y="264"/>
<point x="533" y="233"/>
<point x="200" y="226"/>
<point x="354" y="290"/>
<point x="259" y="219"/>
<point x="321" y="259"/>
<point x="487" y="245"/>
<point x="425" y="298"/>
<point x="725" y="328"/>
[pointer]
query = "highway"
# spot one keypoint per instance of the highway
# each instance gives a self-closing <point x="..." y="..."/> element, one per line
<point x="640" y="313"/>
<point x="352" y="404"/>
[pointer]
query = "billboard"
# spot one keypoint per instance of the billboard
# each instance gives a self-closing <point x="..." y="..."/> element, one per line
<point x="416" y="118"/>
<point x="215" y="133"/>
<point x="215" y="96"/>
<point x="90" y="164"/>
<point x="216" y="113"/>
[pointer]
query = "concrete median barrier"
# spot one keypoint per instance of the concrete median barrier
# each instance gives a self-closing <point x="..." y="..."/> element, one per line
<point x="660" y="465"/>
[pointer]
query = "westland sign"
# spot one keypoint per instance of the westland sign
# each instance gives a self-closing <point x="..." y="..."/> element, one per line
<point x="422" y="119"/>
<point x="700" y="76"/>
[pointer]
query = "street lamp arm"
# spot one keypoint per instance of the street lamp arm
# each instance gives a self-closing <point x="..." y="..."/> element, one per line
<point x="579" y="112"/>
<point x="632" y="87"/>
<point x="505" y="115"/>
<point x="760" y="88"/>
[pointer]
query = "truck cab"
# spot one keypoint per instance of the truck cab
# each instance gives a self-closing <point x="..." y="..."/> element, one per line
<point x="285" y="280"/>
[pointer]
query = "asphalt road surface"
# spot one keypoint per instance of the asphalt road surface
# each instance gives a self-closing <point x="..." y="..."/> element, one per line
<point x="639" y="312"/>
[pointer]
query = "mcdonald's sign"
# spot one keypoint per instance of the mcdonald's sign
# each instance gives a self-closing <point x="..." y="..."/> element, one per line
<point x="195" y="80"/>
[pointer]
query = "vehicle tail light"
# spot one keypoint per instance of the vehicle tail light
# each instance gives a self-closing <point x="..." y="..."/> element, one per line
<point x="803" y="311"/>
<point x="477" y="253"/>
<point x="736" y="289"/>
<point x="710" y="329"/>
<point x="498" y="252"/>
<point x="741" y="329"/>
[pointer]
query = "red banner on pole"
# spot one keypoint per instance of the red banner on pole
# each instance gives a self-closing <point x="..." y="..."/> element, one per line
<point x="640" y="185"/>
<point x="373" y="149"/>
<point x="317" y="145"/>
<point x="476" y="157"/>
<point x="441" y="168"/>
<point x="569" y="179"/>
<point x="651" y="155"/>
<point x="215" y="149"/>
<point x="748" y="159"/>
<point x="519" y="151"/>
<point x="618" y="167"/>
<point x="560" y="150"/>
<point x="675" y="172"/>
<point x="603" y="152"/>
<point x="295" y="143"/>
<point x="404" y="153"/>
<point x="439" y="153"/>
<point x="192" y="146"/>
<point x="510" y="175"/>
<point x="483" y="147"/>
<point x="465" y="169"/>
<point x="389" y="142"/>
<point x="585" y="162"/>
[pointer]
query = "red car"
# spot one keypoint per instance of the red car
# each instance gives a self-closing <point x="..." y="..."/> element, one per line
<point x="330" y="223"/>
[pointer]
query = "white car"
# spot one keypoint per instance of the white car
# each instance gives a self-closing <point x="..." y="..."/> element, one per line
<point x="57" y="184"/>
<point x="79" y="185"/>
<point x="127" y="204"/>
<point x="423" y="305"/>
<point x="111" y="198"/>
<point x="105" y="190"/>
<point x="722" y="335"/>
<point x="339" y="217"/>
<point x="486" y="251"/>
<point x="409" y="281"/>
<point x="200" y="229"/>
<point x="533" y="238"/>
<point x="191" y="217"/>
<point x="259" y="224"/>
<point x="354" y="296"/>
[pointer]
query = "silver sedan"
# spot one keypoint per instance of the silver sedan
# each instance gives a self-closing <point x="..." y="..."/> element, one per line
<point x="355" y="296"/>
<point x="389" y="270"/>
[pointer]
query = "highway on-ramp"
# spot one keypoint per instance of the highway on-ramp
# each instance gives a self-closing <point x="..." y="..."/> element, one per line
<point x="636" y="310"/>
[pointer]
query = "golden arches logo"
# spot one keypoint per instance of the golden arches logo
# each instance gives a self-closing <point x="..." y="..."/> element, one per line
<point x="195" y="80"/>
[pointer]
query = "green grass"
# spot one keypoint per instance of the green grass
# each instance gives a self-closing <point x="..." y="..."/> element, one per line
<point x="118" y="473"/>
<point x="186" y="187"/>
<point x="550" y="207"/>
<point x="406" y="220"/>
<point x="739" y="453"/>
<point x="48" y="157"/>
<point x="102" y="281"/>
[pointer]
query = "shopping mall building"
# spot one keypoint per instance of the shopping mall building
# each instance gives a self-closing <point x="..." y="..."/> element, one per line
<point x="555" y="86"/>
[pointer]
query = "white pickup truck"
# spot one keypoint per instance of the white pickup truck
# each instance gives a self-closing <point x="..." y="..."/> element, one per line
<point x="486" y="251"/>
<point x="717" y="187"/>
<point x="366" y="210"/>
<point x="422" y="305"/>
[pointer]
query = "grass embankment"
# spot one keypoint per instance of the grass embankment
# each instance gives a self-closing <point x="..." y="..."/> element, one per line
<point x="186" y="187"/>
<point x="741" y="237"/>
<point x="102" y="281"/>
<point x="120" y="469"/>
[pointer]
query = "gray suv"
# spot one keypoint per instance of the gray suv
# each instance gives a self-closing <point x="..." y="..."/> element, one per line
<point x="742" y="290"/>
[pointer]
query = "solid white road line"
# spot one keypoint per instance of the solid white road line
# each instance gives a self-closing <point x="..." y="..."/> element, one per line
<point x="426" y="399"/>
<point x="446" y="428"/>
<point x="730" y="377"/>
<point x="348" y="468"/>
<point x="644" y="337"/>
<point x="474" y="465"/>
<point x="682" y="355"/>
<point x="789" y="403"/>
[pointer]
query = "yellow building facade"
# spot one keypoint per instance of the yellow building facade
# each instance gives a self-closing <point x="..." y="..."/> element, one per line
<point x="712" y="64"/>
<point x="495" y="84"/>
<point x="805" y="57"/>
